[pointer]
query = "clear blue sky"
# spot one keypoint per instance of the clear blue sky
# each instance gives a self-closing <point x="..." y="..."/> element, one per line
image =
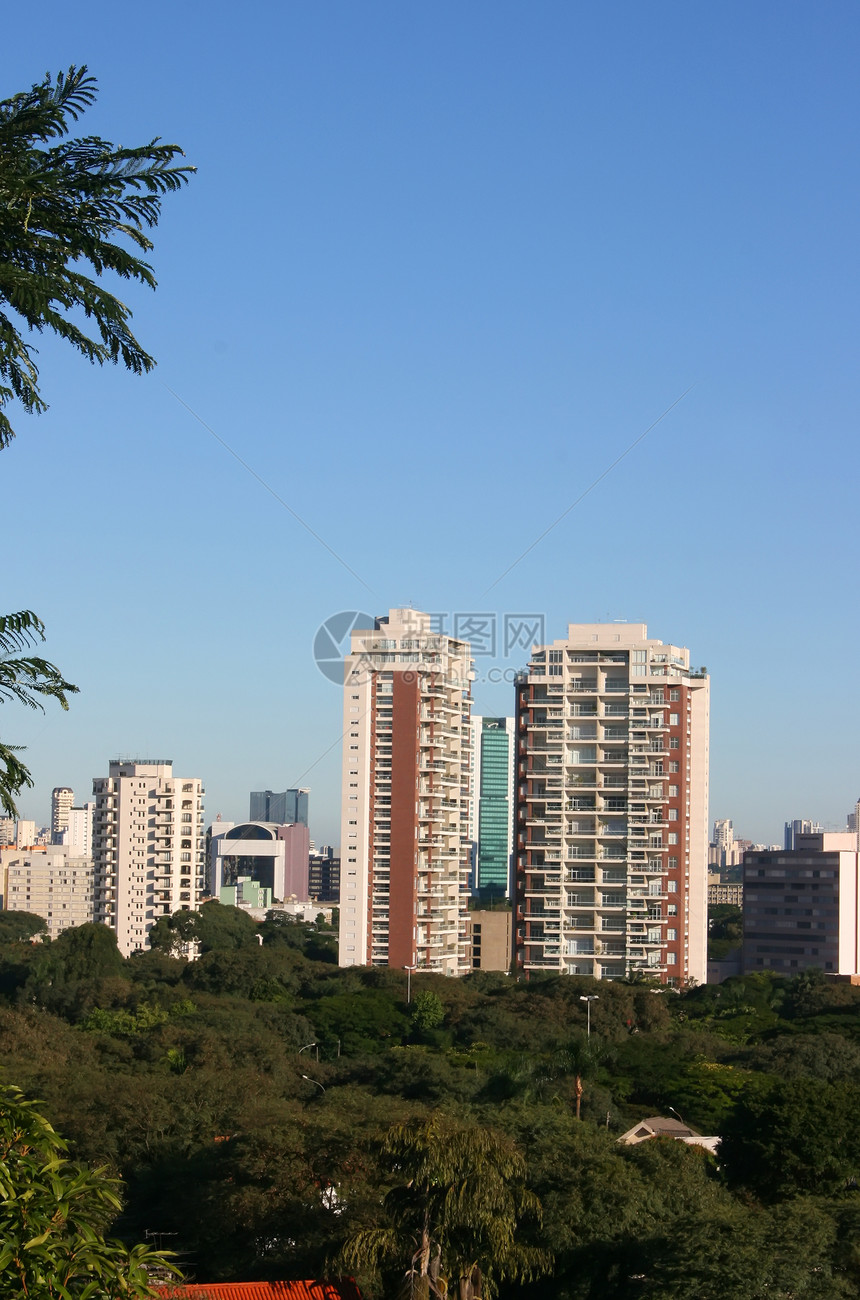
<point x="441" y="264"/>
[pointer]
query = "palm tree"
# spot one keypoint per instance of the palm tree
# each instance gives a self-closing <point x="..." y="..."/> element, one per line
<point x="78" y="201"/>
<point x="453" y="1214"/>
<point x="25" y="679"/>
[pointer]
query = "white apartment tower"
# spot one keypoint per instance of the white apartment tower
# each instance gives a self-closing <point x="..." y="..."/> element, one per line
<point x="405" y="848"/>
<point x="612" y="808"/>
<point x="148" y="847"/>
<point x="62" y="799"/>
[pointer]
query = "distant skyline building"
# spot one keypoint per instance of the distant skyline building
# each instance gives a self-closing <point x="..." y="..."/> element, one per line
<point x="78" y="835"/>
<point x="405" y="844"/>
<point x="62" y="798"/>
<point x="148" y="847"/>
<point x="612" y="819"/>
<point x="324" y="875"/>
<point x="492" y="806"/>
<point x="25" y="834"/>
<point x="281" y="808"/>
<point x="801" y="826"/>
<point x="801" y="905"/>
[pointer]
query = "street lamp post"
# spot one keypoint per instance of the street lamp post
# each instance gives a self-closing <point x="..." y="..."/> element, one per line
<point x="305" y="1048"/>
<point x="314" y="1082"/>
<point x="588" y="999"/>
<point x="409" y="970"/>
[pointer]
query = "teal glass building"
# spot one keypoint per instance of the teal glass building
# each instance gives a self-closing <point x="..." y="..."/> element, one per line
<point x="494" y="811"/>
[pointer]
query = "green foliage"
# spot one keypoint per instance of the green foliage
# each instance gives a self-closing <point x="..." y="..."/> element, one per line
<point x="76" y="203"/>
<point x="21" y="927"/>
<point x="454" y="1215"/>
<point x="53" y="1216"/>
<point x="214" y="927"/>
<point x="24" y="679"/>
<point x="428" y="1011"/>
<point x="725" y="930"/>
<point x="186" y="1077"/>
<point x="798" y="1136"/>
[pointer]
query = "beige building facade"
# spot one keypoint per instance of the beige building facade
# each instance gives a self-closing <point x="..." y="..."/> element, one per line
<point x="148" y="847"/>
<point x="50" y="882"/>
<point x="490" y="934"/>
<point x="612" y="807"/>
<point x="405" y="846"/>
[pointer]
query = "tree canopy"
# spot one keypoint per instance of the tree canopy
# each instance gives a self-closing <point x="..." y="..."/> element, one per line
<point x="53" y="1216"/>
<point x="68" y="203"/>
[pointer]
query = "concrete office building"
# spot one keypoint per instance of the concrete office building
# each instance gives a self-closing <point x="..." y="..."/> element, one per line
<point x="148" y="849"/>
<point x="62" y="799"/>
<point x="801" y="905"/>
<point x="324" y="875"/>
<point x="280" y="809"/>
<point x="612" y="814"/>
<point x="273" y="857"/>
<point x="490" y="934"/>
<point x="50" y="882"/>
<point x="405" y="845"/>
<point x="801" y="826"/>
<point x="492" y="804"/>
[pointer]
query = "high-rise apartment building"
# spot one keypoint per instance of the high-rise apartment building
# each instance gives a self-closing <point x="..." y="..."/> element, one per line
<point x="287" y="807"/>
<point x="405" y="847"/>
<point x="612" y="807"/>
<point x="62" y="799"/>
<point x="492" y="806"/>
<point x="148" y="847"/>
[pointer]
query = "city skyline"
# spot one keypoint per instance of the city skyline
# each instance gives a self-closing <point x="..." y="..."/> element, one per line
<point x="596" y="267"/>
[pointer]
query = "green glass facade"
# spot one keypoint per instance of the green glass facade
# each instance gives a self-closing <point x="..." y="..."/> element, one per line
<point x="494" y="808"/>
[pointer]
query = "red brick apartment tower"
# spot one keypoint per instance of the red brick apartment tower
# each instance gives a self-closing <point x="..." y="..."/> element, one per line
<point x="405" y="845"/>
<point x="611" y="844"/>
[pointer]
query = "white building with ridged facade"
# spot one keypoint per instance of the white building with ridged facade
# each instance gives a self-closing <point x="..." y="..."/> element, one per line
<point x="148" y="847"/>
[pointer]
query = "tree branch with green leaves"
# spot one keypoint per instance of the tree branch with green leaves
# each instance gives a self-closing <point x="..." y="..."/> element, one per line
<point x="28" y="680"/>
<point x="80" y="201"/>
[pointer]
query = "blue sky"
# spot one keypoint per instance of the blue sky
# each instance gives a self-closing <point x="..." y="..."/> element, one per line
<point x="440" y="266"/>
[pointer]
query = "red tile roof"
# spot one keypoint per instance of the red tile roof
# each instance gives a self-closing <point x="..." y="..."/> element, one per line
<point x="344" y="1290"/>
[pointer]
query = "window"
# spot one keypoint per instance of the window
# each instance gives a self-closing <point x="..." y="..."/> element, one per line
<point x="555" y="656"/>
<point x="674" y="742"/>
<point x="671" y="935"/>
<point x="673" y="814"/>
<point x="674" y="694"/>
<point x="673" y="909"/>
<point x="673" y="886"/>
<point x="673" y="719"/>
<point x="673" y="837"/>
<point x="673" y="792"/>
<point x="674" y="766"/>
<point x="671" y="959"/>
